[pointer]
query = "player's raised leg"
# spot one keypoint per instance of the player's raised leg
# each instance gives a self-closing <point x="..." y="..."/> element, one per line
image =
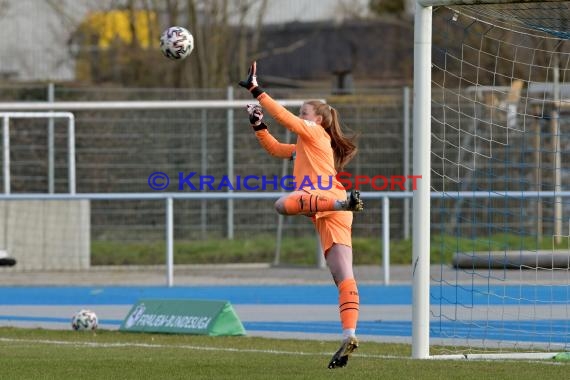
<point x="303" y="203"/>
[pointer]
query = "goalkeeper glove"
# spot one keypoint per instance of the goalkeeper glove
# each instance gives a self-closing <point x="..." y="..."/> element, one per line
<point x="250" y="83"/>
<point x="255" y="115"/>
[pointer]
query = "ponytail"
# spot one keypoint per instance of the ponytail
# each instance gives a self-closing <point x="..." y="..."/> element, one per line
<point x="344" y="147"/>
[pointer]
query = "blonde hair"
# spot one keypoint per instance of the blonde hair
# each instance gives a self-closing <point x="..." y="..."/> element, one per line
<point x="344" y="147"/>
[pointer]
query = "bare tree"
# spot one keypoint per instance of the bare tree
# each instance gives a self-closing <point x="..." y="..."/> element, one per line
<point x="4" y="6"/>
<point x="226" y="32"/>
<point x="392" y="7"/>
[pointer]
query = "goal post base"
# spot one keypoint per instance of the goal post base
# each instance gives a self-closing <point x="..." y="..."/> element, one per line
<point x="500" y="356"/>
<point x="512" y="260"/>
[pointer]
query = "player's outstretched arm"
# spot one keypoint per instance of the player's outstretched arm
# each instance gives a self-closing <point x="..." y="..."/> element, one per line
<point x="281" y="114"/>
<point x="267" y="140"/>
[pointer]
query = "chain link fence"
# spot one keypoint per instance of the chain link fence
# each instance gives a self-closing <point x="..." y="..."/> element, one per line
<point x="117" y="151"/>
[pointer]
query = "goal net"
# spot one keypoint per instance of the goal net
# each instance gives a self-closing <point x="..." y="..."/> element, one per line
<point x="492" y="139"/>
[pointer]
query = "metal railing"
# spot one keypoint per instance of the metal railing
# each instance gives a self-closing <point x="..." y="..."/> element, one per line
<point x="169" y="198"/>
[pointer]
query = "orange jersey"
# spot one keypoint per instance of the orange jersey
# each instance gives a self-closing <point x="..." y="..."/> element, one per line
<point x="313" y="169"/>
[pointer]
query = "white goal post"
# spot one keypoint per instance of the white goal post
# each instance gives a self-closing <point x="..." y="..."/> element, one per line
<point x="484" y="110"/>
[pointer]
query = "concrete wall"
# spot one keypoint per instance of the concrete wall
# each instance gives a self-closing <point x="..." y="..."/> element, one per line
<point x="46" y="235"/>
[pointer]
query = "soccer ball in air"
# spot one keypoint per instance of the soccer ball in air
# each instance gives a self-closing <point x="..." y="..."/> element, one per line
<point x="176" y="42"/>
<point x="84" y="320"/>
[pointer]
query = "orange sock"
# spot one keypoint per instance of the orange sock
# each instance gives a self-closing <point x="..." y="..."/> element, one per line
<point x="308" y="204"/>
<point x="348" y="303"/>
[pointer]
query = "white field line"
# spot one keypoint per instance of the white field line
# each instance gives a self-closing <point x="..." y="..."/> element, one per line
<point x="202" y="348"/>
<point x="226" y="349"/>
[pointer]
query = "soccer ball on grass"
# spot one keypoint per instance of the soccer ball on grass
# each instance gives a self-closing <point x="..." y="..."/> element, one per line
<point x="84" y="320"/>
<point x="176" y="42"/>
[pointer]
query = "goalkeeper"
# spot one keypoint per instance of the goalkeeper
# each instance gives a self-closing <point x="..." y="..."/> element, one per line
<point x="320" y="152"/>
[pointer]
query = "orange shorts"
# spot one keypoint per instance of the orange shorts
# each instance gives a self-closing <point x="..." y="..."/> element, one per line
<point x="334" y="227"/>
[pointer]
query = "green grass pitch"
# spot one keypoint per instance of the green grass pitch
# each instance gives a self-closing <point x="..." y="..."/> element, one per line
<point x="104" y="354"/>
